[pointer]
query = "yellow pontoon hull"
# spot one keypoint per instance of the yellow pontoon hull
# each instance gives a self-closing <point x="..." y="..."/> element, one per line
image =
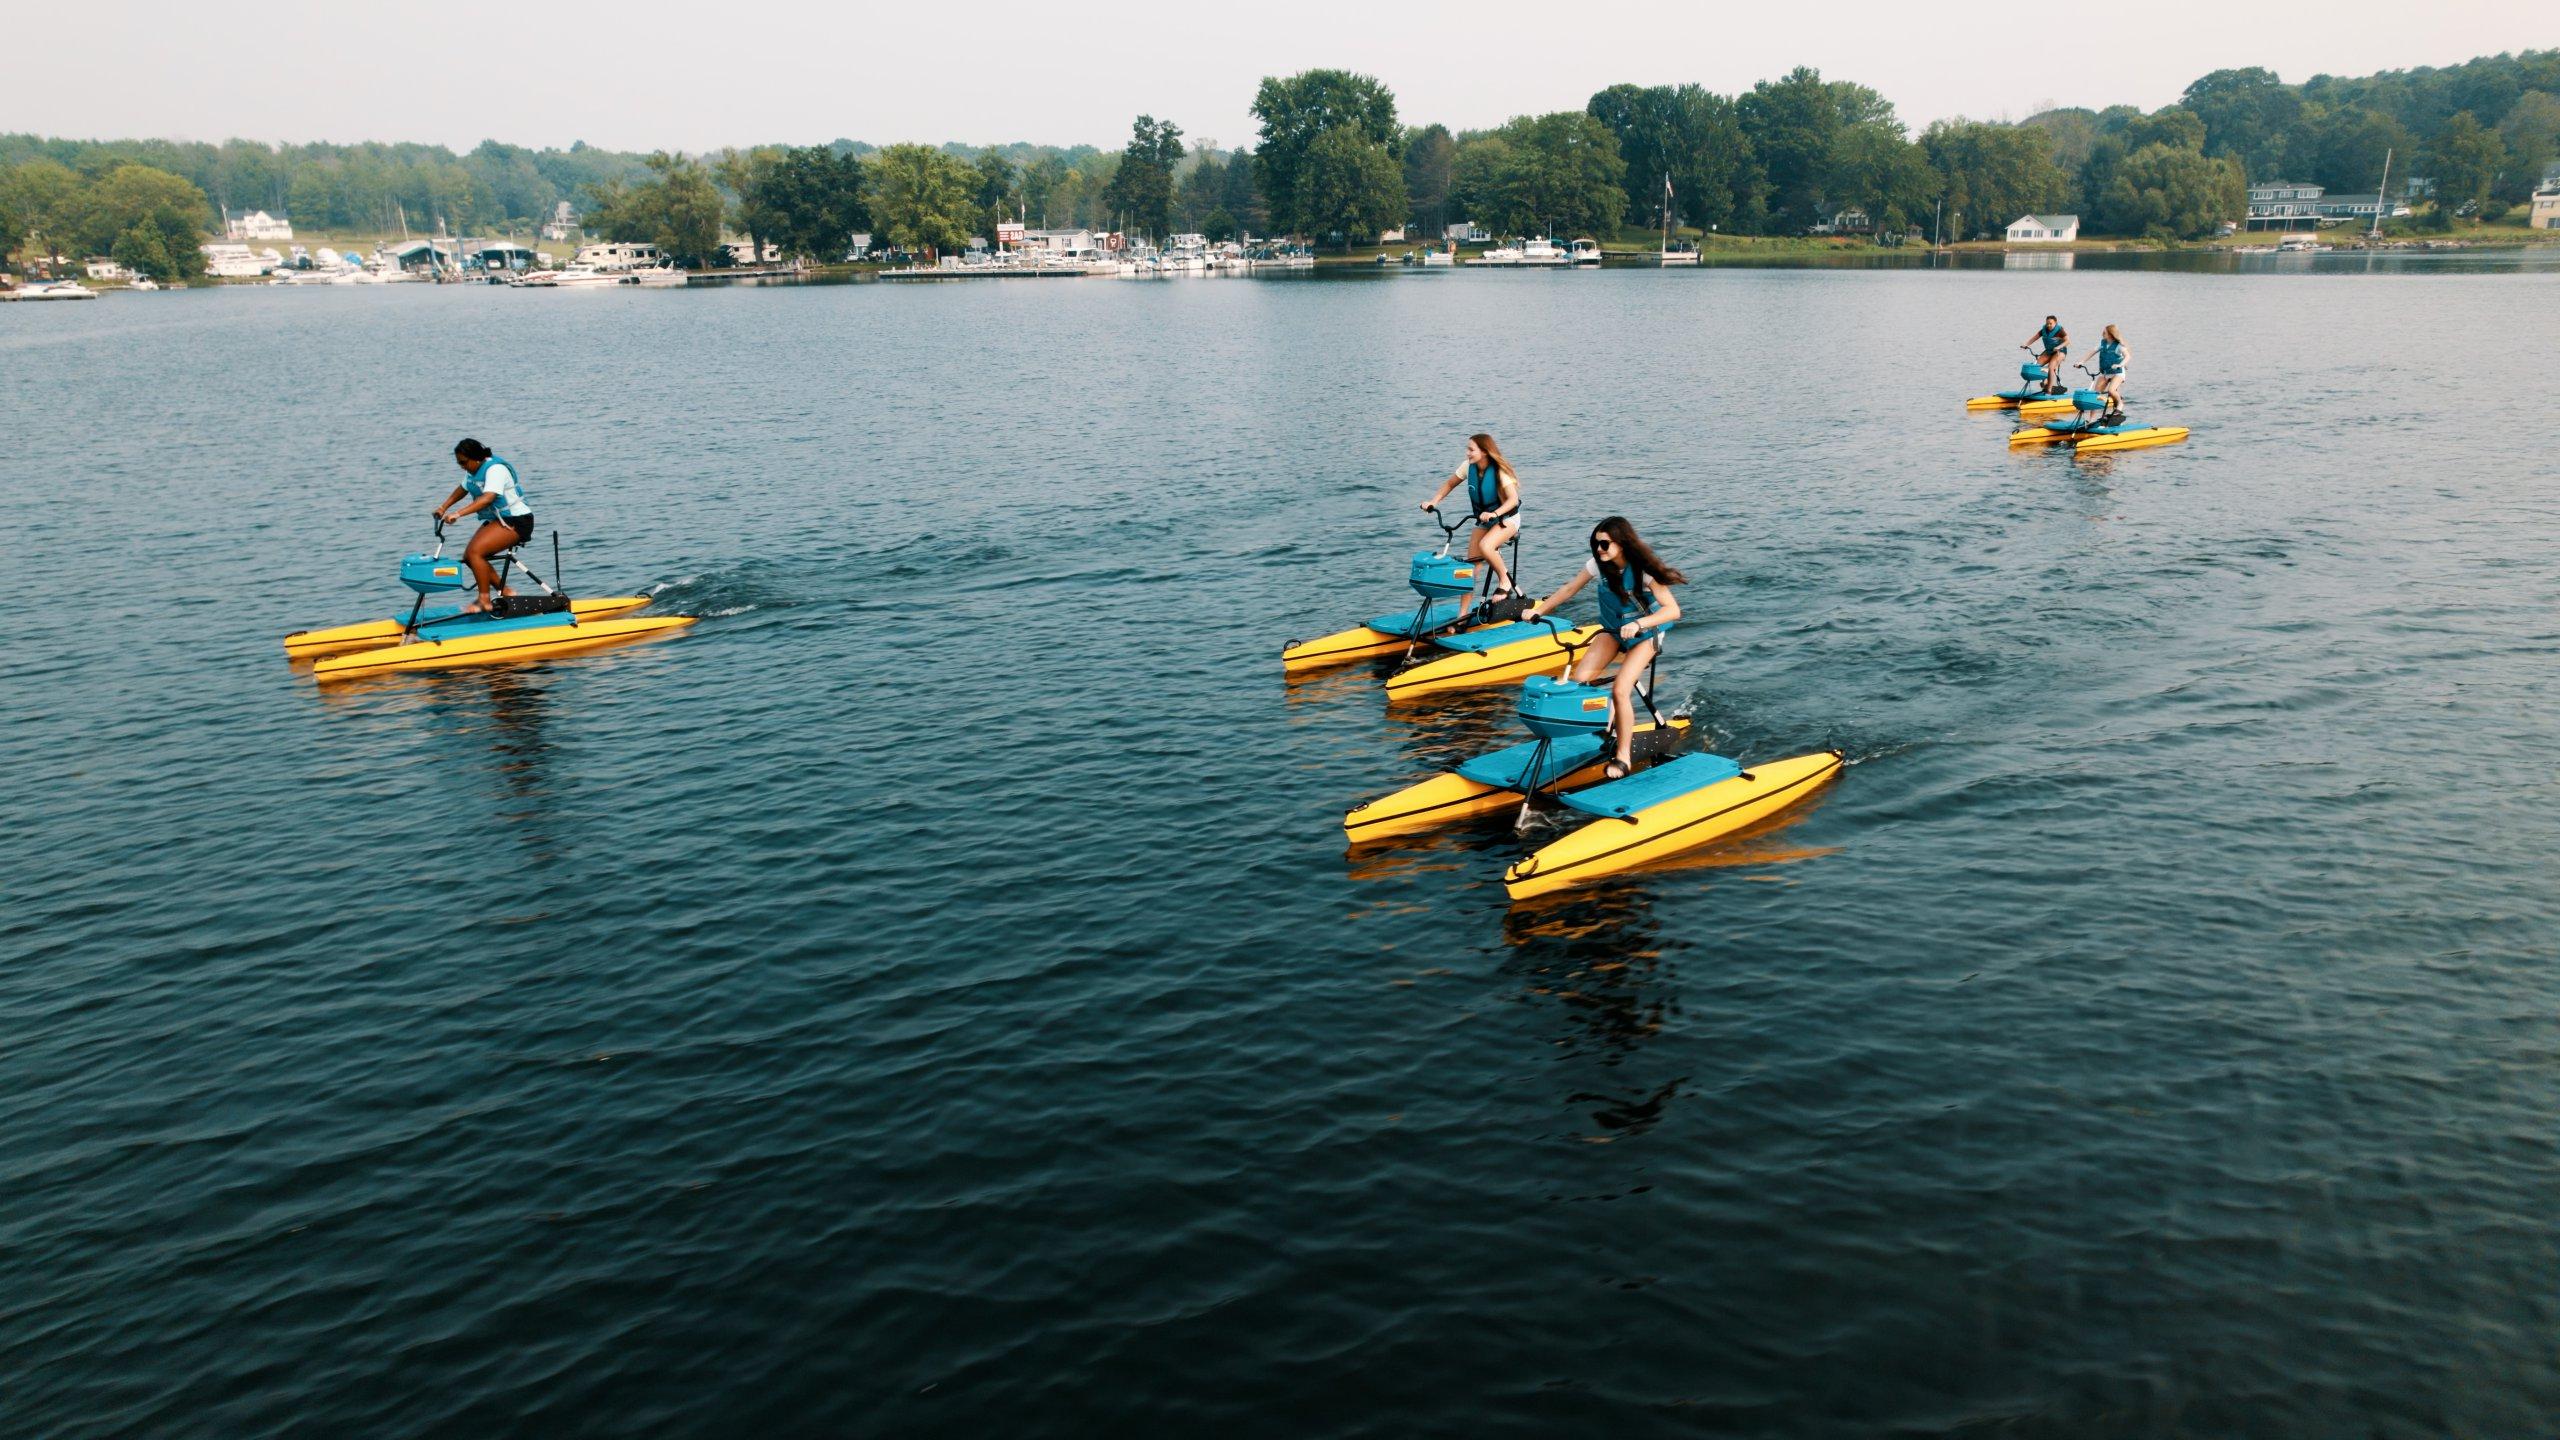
<point x="492" y="649"/>
<point x="1608" y="846"/>
<point x="1357" y="643"/>
<point x="374" y="634"/>
<point x="2049" y="405"/>
<point x="2132" y="440"/>
<point x="1449" y="797"/>
<point x="1466" y="669"/>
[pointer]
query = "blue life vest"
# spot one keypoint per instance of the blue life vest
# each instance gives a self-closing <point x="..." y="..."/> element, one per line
<point x="1484" y="489"/>
<point x="511" y="501"/>
<point x="1616" y="612"/>
<point x="2049" y="337"/>
<point x="2110" y="358"/>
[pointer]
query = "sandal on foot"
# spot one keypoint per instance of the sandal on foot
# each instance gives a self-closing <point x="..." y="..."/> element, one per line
<point x="1616" y="769"/>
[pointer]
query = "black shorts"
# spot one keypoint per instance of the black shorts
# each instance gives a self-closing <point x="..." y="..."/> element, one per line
<point x="521" y="524"/>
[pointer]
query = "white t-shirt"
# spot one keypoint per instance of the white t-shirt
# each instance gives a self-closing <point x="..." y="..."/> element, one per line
<point x="497" y="477"/>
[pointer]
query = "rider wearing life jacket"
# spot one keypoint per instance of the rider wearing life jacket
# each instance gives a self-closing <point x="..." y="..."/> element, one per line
<point x="2051" y="346"/>
<point x="1637" y="609"/>
<point x="1493" y="498"/>
<point x="497" y="496"/>
<point x="2111" y="368"/>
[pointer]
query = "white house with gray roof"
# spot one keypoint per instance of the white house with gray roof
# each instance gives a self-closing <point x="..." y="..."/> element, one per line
<point x="2044" y="229"/>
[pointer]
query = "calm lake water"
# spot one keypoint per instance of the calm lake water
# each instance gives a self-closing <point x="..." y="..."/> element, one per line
<point x="932" y="995"/>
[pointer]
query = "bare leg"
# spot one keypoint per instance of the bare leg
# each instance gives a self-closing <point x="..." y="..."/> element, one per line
<point x="486" y="542"/>
<point x="1622" y="700"/>
<point x="1595" y="659"/>
<point x="1488" y="545"/>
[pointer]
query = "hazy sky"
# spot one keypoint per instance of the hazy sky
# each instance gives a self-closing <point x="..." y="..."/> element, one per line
<point x="1061" y="72"/>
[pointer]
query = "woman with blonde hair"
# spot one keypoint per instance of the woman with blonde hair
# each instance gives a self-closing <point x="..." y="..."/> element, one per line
<point x="1493" y="499"/>
<point x="2111" y="368"/>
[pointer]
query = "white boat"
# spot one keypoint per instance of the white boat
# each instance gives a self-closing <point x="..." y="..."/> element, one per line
<point x="2301" y="245"/>
<point x="1445" y="253"/>
<point x="227" y="261"/>
<point x="1500" y="255"/>
<point x="659" y="277"/>
<point x="50" y="290"/>
<point x="142" y="282"/>
<point x="1543" y="252"/>
<point x="1679" y="252"/>
<point x="1584" y="254"/>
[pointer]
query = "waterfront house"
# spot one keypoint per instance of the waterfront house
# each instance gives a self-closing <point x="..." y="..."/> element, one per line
<point x="2334" y="208"/>
<point x="2546" y="206"/>
<point x="1464" y="232"/>
<point x="104" y="269"/>
<point x="2285" y="205"/>
<point x="2043" y="229"/>
<point x="256" y="225"/>
<point x="861" y="246"/>
<point x="1057" y="242"/>
<point x="563" y="224"/>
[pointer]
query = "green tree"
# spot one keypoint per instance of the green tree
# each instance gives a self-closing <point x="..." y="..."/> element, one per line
<point x="748" y="176"/>
<point x="921" y="198"/>
<point x="1200" y="191"/>
<point x="1873" y="168"/>
<point x="1792" y="125"/>
<point x="690" y="211"/>
<point x="2531" y="133"/>
<point x="149" y="211"/>
<point x="2172" y="193"/>
<point x="2464" y="161"/>
<point x="1477" y="174"/>
<point x="999" y="191"/>
<point x="1990" y="175"/>
<point x="813" y="196"/>
<point x="1141" y="190"/>
<point x="1552" y="174"/>
<point x="1682" y="133"/>
<point x="144" y="250"/>
<point x="1046" y="182"/>
<point x="1349" y="182"/>
<point x="35" y="199"/>
<point x="1428" y="153"/>
<point x="2352" y="146"/>
<point x="1243" y="198"/>
<point x="2248" y="115"/>
<point x="678" y="209"/>
<point x="1298" y="111"/>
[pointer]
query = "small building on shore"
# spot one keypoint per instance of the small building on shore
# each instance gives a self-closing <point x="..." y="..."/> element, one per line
<point x="563" y="224"/>
<point x="256" y="225"/>
<point x="2546" y="207"/>
<point x="2044" y="229"/>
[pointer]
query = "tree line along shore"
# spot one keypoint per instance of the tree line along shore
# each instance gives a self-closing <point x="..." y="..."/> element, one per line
<point x="1784" y="165"/>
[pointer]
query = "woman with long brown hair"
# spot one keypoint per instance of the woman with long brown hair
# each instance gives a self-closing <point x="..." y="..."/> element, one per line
<point x="1493" y="498"/>
<point x="1637" y="609"/>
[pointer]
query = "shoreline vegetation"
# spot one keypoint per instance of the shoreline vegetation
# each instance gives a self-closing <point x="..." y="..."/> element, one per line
<point x="1796" y="166"/>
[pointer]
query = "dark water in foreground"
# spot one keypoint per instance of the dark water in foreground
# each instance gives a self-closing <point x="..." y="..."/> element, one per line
<point x="931" y="995"/>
